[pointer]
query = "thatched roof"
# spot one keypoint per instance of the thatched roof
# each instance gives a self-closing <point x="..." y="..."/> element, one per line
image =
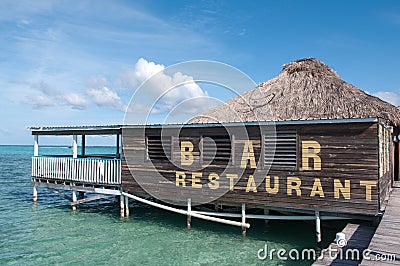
<point x="305" y="89"/>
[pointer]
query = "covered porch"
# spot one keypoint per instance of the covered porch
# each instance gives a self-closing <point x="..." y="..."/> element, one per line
<point x="78" y="171"/>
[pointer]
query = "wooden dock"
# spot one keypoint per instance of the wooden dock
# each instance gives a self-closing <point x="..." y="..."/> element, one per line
<point x="386" y="240"/>
<point x="358" y="237"/>
<point x="367" y="246"/>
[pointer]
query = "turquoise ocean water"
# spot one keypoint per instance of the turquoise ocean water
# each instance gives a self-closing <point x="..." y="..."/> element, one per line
<point x="50" y="233"/>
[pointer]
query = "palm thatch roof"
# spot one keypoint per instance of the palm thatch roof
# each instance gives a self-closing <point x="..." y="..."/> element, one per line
<point x="305" y="89"/>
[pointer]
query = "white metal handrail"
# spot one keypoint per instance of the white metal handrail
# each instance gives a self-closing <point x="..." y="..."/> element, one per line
<point x="87" y="170"/>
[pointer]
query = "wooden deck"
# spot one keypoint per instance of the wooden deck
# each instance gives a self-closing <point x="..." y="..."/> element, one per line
<point x="386" y="239"/>
<point x="358" y="237"/>
<point x="380" y="246"/>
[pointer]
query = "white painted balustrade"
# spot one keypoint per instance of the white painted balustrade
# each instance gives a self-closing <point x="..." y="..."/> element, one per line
<point x="86" y="170"/>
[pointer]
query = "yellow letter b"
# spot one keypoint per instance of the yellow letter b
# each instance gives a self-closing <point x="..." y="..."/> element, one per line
<point x="187" y="157"/>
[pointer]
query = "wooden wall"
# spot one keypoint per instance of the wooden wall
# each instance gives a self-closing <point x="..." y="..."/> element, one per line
<point x="386" y="163"/>
<point x="341" y="177"/>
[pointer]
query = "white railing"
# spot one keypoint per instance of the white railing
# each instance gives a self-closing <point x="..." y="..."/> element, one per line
<point x="86" y="170"/>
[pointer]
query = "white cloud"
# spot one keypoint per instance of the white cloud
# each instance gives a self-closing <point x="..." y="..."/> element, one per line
<point x="168" y="90"/>
<point x="46" y="89"/>
<point x="97" y="82"/>
<point x="23" y="23"/>
<point x="46" y="95"/>
<point x="145" y="69"/>
<point x="132" y="78"/>
<point x="163" y="91"/>
<point x="173" y="95"/>
<point x="104" y="97"/>
<point x="41" y="101"/>
<point x="76" y="101"/>
<point x="390" y="97"/>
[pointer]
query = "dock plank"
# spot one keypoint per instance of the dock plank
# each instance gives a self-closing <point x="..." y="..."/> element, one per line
<point x="358" y="237"/>
<point x="386" y="240"/>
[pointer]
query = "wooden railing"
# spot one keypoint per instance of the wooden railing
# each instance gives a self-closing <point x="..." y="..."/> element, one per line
<point x="85" y="170"/>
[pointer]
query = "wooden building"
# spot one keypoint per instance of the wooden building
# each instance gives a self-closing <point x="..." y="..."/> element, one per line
<point x="340" y="166"/>
<point x="305" y="141"/>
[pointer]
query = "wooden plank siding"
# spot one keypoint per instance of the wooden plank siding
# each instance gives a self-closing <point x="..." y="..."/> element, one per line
<point x="386" y="163"/>
<point x="348" y="153"/>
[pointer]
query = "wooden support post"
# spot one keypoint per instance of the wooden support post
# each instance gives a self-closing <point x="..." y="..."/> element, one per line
<point x="35" y="197"/>
<point x="266" y="212"/>
<point x="318" y="229"/>
<point x="36" y="146"/>
<point x="189" y="217"/>
<point x="74" y="200"/>
<point x="75" y="146"/>
<point x="83" y="145"/>
<point x="126" y="206"/>
<point x="117" y="153"/>
<point x="122" y="205"/>
<point x="243" y="219"/>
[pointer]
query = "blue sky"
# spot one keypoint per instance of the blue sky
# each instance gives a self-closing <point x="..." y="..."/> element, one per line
<point x="79" y="62"/>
